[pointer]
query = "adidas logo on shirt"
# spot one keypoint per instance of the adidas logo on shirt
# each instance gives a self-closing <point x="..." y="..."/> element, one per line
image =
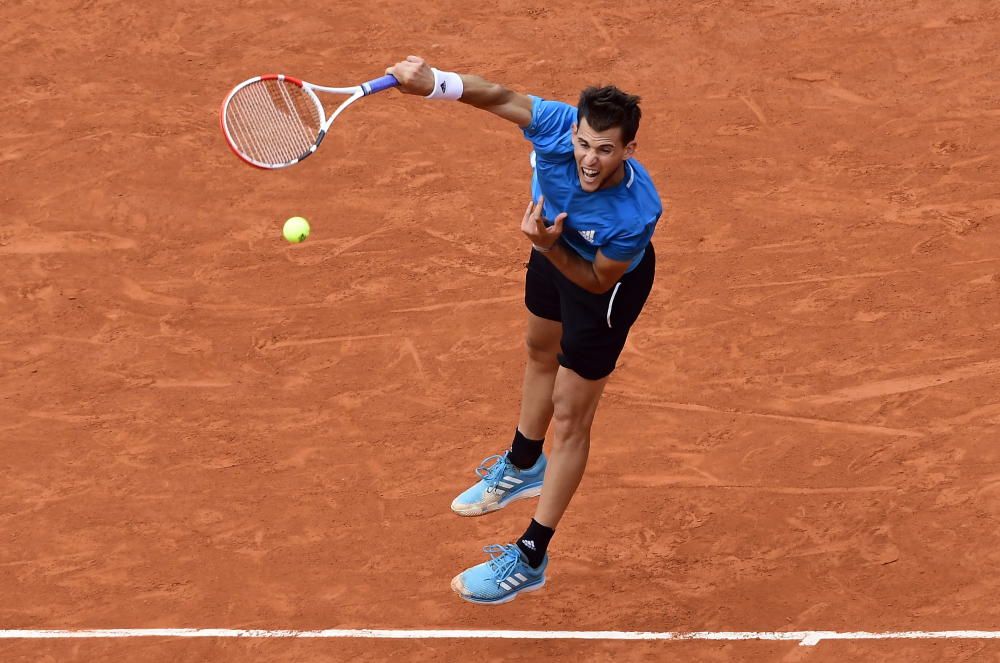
<point x="588" y="235"/>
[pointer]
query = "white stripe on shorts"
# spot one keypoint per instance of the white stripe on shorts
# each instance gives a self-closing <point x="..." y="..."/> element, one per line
<point x="612" y="302"/>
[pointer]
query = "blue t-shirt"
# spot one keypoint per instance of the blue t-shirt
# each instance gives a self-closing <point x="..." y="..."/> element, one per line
<point x="618" y="220"/>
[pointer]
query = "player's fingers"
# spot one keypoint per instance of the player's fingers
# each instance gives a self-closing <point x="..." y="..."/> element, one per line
<point x="537" y="212"/>
<point x="416" y="59"/>
<point x="526" y="222"/>
<point x="527" y="214"/>
<point x="558" y="223"/>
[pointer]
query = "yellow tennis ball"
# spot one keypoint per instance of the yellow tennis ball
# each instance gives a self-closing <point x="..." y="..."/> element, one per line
<point x="296" y="229"/>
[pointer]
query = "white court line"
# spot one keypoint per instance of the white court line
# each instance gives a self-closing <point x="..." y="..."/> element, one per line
<point x="804" y="638"/>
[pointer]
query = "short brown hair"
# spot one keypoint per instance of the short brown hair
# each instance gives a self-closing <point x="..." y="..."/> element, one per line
<point x="607" y="107"/>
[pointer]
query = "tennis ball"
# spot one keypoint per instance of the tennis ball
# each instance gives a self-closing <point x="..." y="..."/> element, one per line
<point x="296" y="229"/>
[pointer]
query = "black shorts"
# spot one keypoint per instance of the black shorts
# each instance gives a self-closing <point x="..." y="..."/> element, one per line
<point x="594" y="326"/>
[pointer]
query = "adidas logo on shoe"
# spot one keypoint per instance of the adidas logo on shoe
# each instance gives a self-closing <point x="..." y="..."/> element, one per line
<point x="500" y="483"/>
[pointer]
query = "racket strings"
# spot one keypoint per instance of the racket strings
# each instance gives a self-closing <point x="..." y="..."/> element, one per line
<point x="273" y="121"/>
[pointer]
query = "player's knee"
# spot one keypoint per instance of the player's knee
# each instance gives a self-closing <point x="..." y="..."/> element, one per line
<point x="571" y="418"/>
<point x="568" y="434"/>
<point x="542" y="351"/>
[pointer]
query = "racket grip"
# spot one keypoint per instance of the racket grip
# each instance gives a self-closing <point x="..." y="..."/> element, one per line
<point x="379" y="84"/>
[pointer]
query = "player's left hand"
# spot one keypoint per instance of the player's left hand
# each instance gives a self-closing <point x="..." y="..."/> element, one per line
<point x="533" y="226"/>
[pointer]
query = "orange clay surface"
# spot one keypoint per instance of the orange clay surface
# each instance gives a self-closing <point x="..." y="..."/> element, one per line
<point x="204" y="426"/>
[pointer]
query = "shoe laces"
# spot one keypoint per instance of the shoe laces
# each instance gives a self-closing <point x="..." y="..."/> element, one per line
<point x="491" y="470"/>
<point x="503" y="559"/>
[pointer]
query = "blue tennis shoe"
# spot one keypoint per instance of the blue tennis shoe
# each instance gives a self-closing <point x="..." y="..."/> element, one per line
<point x="500" y="483"/>
<point x="502" y="578"/>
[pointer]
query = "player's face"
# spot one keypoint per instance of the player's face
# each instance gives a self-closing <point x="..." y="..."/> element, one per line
<point x="600" y="156"/>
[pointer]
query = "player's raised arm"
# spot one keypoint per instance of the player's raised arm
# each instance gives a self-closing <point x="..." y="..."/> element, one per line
<point x="416" y="77"/>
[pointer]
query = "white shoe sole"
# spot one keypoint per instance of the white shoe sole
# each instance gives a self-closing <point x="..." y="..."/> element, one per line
<point x="483" y="509"/>
<point x="459" y="588"/>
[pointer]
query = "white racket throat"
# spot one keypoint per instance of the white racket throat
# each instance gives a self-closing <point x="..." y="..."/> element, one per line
<point x="275" y="121"/>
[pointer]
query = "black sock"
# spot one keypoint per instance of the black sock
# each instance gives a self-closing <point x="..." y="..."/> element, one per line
<point x="534" y="542"/>
<point x="524" y="452"/>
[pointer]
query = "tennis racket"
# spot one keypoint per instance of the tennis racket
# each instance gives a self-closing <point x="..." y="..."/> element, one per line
<point x="275" y="121"/>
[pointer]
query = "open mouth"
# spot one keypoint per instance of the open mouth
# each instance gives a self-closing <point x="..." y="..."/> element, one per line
<point x="589" y="176"/>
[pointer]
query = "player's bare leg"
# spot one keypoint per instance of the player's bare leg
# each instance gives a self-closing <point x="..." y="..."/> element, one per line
<point x="518" y="474"/>
<point x="542" y="342"/>
<point x="520" y="567"/>
<point x="575" y="401"/>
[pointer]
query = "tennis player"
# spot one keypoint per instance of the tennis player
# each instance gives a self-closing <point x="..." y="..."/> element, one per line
<point x="592" y="214"/>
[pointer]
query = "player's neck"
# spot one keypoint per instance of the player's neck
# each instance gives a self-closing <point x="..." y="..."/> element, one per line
<point x="614" y="180"/>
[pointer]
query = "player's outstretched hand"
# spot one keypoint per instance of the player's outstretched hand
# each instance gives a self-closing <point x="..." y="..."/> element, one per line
<point x="414" y="75"/>
<point x="533" y="225"/>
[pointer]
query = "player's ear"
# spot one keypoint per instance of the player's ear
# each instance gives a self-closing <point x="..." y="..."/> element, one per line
<point x="630" y="149"/>
<point x="574" y="129"/>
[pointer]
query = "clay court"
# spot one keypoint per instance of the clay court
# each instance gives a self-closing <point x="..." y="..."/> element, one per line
<point x="204" y="426"/>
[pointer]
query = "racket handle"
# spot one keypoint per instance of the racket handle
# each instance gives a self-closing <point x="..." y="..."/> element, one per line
<point x="379" y="84"/>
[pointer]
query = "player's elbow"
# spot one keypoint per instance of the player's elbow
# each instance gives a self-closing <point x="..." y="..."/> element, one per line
<point x="501" y="94"/>
<point x="606" y="273"/>
<point x="486" y="95"/>
<point x="600" y="286"/>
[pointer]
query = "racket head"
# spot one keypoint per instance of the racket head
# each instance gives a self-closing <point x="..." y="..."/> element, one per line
<point x="272" y="121"/>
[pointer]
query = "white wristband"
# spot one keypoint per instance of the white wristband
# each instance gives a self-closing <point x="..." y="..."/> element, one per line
<point x="447" y="86"/>
<point x="541" y="249"/>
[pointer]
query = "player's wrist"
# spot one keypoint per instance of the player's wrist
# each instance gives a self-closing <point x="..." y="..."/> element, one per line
<point x="543" y="249"/>
<point x="448" y="86"/>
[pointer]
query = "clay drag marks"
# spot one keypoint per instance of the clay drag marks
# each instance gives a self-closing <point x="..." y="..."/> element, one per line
<point x="828" y="365"/>
<point x="200" y="423"/>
